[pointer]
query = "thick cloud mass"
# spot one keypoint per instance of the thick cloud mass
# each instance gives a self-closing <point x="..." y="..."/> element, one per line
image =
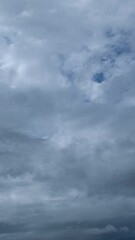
<point x="67" y="114"/>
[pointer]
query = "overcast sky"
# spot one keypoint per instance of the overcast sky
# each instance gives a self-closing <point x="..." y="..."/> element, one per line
<point x="67" y="119"/>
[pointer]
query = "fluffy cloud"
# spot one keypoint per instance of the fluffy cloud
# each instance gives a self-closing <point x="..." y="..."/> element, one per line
<point x="67" y="142"/>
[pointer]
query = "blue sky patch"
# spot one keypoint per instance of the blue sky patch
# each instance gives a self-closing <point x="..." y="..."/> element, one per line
<point x="99" y="77"/>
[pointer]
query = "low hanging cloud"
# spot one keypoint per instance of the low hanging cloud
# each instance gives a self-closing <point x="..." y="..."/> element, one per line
<point x="107" y="229"/>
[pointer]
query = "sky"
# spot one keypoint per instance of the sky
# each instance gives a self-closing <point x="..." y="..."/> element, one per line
<point x="67" y="120"/>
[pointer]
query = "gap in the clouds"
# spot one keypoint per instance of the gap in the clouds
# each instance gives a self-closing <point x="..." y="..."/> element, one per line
<point x="98" y="65"/>
<point x="119" y="42"/>
<point x="120" y="48"/>
<point x="99" y="77"/>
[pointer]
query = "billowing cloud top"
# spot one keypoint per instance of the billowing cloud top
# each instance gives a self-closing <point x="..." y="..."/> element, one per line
<point x="67" y="113"/>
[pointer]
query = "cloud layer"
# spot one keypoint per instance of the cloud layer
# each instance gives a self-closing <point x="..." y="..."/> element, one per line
<point x="67" y="133"/>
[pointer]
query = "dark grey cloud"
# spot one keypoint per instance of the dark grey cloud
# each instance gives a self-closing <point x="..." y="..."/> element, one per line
<point x="67" y="142"/>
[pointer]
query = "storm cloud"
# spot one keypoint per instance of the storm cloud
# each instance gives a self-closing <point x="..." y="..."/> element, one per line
<point x="67" y="113"/>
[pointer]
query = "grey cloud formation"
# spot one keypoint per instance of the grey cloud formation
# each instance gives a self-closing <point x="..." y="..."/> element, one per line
<point x="67" y="135"/>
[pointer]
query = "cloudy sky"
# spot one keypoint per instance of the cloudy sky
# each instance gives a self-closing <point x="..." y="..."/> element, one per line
<point x="67" y="120"/>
